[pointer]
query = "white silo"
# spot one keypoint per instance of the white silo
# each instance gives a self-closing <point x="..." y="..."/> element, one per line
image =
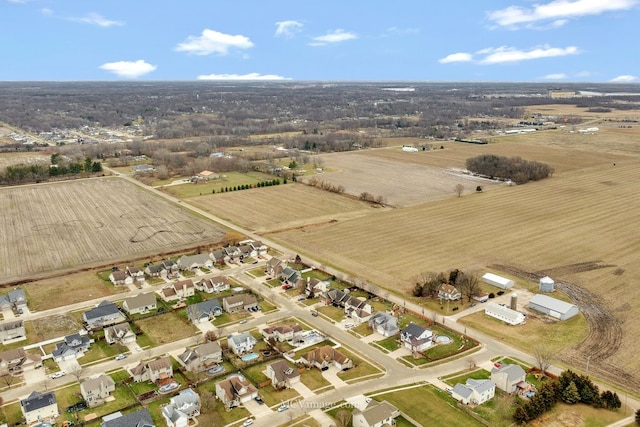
<point x="546" y="284"/>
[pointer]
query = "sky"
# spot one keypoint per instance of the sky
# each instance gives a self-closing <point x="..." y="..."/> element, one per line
<point x="329" y="40"/>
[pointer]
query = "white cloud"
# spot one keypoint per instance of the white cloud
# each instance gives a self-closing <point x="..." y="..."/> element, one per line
<point x="250" y="76"/>
<point x="395" y="31"/>
<point x="213" y="42"/>
<point x="288" y="29"/>
<point x="46" y="11"/>
<point x="97" y="19"/>
<point x="557" y="11"/>
<point x="335" y="36"/>
<point x="129" y="69"/>
<point x="509" y="54"/>
<point x="583" y="74"/>
<point x="555" y="76"/>
<point x="456" y="57"/>
<point x="626" y="78"/>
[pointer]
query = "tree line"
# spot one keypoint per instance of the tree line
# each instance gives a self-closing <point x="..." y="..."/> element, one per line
<point x="427" y="284"/>
<point x="515" y="169"/>
<point x="59" y="167"/>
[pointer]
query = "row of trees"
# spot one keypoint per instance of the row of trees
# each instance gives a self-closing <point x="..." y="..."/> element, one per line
<point x="428" y="283"/>
<point x="248" y="186"/>
<point x="516" y="169"/>
<point x="570" y="388"/>
<point x="325" y="185"/>
<point x="25" y="173"/>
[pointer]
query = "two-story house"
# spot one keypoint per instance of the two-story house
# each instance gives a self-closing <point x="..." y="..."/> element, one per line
<point x="73" y="347"/>
<point x="104" y="314"/>
<point x="12" y="330"/>
<point x="213" y="285"/>
<point x="155" y="270"/>
<point x="140" y="418"/>
<point x="120" y="333"/>
<point x="507" y="377"/>
<point x="235" y="391"/>
<point x="17" y="360"/>
<point x="474" y="392"/>
<point x="416" y="338"/>
<point x="141" y="303"/>
<point x="283" y="333"/>
<point x="95" y="390"/>
<point x="375" y="414"/>
<point x="136" y="273"/>
<point x="241" y="343"/>
<point x="201" y="358"/>
<point x="384" y="324"/>
<point x="178" y="291"/>
<point x="447" y="292"/>
<point x="275" y="266"/>
<point x="325" y="356"/>
<point x="204" y="311"/>
<point x="182" y="408"/>
<point x="240" y="302"/>
<point x="282" y="375"/>
<point x="152" y="371"/>
<point x="39" y="407"/>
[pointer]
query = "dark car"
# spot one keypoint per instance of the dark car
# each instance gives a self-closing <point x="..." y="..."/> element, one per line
<point x="314" y="313"/>
<point x="77" y="407"/>
<point x="259" y="400"/>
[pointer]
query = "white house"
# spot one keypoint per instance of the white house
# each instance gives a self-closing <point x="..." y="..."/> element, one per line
<point x="498" y="281"/>
<point x="507" y="377"/>
<point x="182" y="408"/>
<point x="384" y="324"/>
<point x="241" y="343"/>
<point x="474" y="392"/>
<point x="39" y="407"/>
<point x="448" y="292"/>
<point x="416" y="338"/>
<point x="376" y="414"/>
<point x="553" y="307"/>
<point x="504" y="313"/>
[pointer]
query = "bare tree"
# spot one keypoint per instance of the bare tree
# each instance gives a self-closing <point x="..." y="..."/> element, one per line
<point x="459" y="189"/>
<point x="77" y="372"/>
<point x="544" y="357"/>
<point x="8" y="379"/>
<point x="343" y="418"/>
<point x="211" y="336"/>
<point x="469" y="285"/>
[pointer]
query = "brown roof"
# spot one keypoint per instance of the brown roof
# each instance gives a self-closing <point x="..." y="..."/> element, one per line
<point x="326" y="354"/>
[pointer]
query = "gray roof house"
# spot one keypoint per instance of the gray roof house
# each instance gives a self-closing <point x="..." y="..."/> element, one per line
<point x="14" y="299"/>
<point x="416" y="338"/>
<point x="95" y="390"/>
<point x="39" y="407"/>
<point x="155" y="270"/>
<point x="507" y="377"/>
<point x="239" y="302"/>
<point x="152" y="371"/>
<point x="204" y="311"/>
<point x="182" y="408"/>
<point x="72" y="347"/>
<point x="11" y="330"/>
<point x="282" y="375"/>
<point x="201" y="358"/>
<point x="16" y="361"/>
<point x="384" y="324"/>
<point x="120" y="333"/>
<point x="376" y="414"/>
<point x="141" y="418"/>
<point x="141" y="303"/>
<point x="104" y="314"/>
<point x="192" y="262"/>
<point x="241" y="343"/>
<point x="474" y="392"/>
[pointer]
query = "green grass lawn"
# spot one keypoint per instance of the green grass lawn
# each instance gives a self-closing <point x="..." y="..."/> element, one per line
<point x="11" y="414"/>
<point x="233" y="179"/>
<point x="334" y="313"/>
<point x="390" y="343"/>
<point x="362" y="329"/>
<point x="273" y="283"/>
<point x="361" y="369"/>
<point x="314" y="380"/>
<point x="257" y="272"/>
<point x="272" y="397"/>
<point x="101" y="350"/>
<point x="477" y="374"/>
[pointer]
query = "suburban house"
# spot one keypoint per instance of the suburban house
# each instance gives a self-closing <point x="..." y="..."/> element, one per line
<point x="94" y="391"/>
<point x="447" y="292"/>
<point x="474" y="392"/>
<point x="247" y="251"/>
<point x="72" y="347"/>
<point x="507" y="377"/>
<point x="213" y="285"/>
<point x="234" y="391"/>
<point x="282" y="333"/>
<point x="152" y="371"/>
<point x="11" y="330"/>
<point x="240" y="302"/>
<point x="136" y="273"/>
<point x="120" y="333"/>
<point x="504" y="313"/>
<point x="241" y="343"/>
<point x="16" y="361"/>
<point x="141" y="418"/>
<point x="376" y="414"/>
<point x="170" y="266"/>
<point x="155" y="270"/>
<point x="357" y="309"/>
<point x="182" y="408"/>
<point x="193" y="262"/>
<point x="15" y="299"/>
<point x="290" y="276"/>
<point x="336" y="297"/>
<point x="416" y="338"/>
<point x="384" y="324"/>
<point x="201" y="358"/>
<point x="142" y="303"/>
<point x="553" y="307"/>
<point x="178" y="291"/>
<point x="39" y="407"/>
<point x="104" y="314"/>
<point x="232" y="252"/>
<point x="218" y="256"/>
<point x="260" y="248"/>
<point x="282" y="375"/>
<point x="323" y="357"/>
<point x="314" y="287"/>
<point x="120" y="278"/>
<point x="275" y="266"/>
<point x="204" y="311"/>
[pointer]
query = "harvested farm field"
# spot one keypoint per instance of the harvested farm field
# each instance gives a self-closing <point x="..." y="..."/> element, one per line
<point x="48" y="227"/>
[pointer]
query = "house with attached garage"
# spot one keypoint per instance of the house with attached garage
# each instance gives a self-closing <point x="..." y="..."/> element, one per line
<point x="313" y="287"/>
<point x="240" y="302"/>
<point x="193" y="262"/>
<point x="474" y="392"/>
<point x="232" y="253"/>
<point x="241" y="343"/>
<point x="213" y="285"/>
<point x="140" y="418"/>
<point x="275" y="266"/>
<point x="375" y="414"/>
<point x="104" y="314"/>
<point x="204" y="311"/>
<point x="325" y="356"/>
<point x="416" y="338"/>
<point x="178" y="291"/>
<point x="136" y="273"/>
<point x="282" y="375"/>
<point x="235" y="391"/>
<point x="290" y="276"/>
<point x="260" y="248"/>
<point x="155" y="270"/>
<point x="141" y="303"/>
<point x="357" y="309"/>
<point x="16" y="361"/>
<point x="39" y="407"/>
<point x="73" y="347"/>
<point x="384" y="324"/>
<point x="152" y="371"/>
<point x="120" y="333"/>
<point x="283" y="333"/>
<point x="507" y="377"/>
<point x="15" y="299"/>
<point x="120" y="278"/>
<point x="96" y="390"/>
<point x="218" y="256"/>
<point x="247" y="251"/>
<point x="12" y="330"/>
<point x="170" y="266"/>
<point x="202" y="357"/>
<point x="182" y="408"/>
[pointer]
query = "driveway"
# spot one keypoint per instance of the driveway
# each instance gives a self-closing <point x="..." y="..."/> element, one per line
<point x="69" y="366"/>
<point x="331" y="375"/>
<point x="34" y="376"/>
<point x="256" y="409"/>
<point x="303" y="390"/>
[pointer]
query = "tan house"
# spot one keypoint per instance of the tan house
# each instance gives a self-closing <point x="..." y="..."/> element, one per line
<point x="178" y="291"/>
<point x="240" y="302"/>
<point x="120" y="278"/>
<point x="11" y="330"/>
<point x="201" y="358"/>
<point x="152" y="371"/>
<point x="282" y="375"/>
<point x="376" y="414"/>
<point x="323" y="357"/>
<point x="95" y="390"/>
<point x="39" y="407"/>
<point x="17" y="361"/>
<point x="121" y="334"/>
<point x="235" y="391"/>
<point x="282" y="333"/>
<point x="141" y="303"/>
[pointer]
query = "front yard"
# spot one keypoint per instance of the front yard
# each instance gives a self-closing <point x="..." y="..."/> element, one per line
<point x="166" y="328"/>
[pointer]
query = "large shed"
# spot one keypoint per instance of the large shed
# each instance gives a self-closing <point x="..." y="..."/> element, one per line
<point x="507" y="315"/>
<point x="498" y="281"/>
<point x="553" y="307"/>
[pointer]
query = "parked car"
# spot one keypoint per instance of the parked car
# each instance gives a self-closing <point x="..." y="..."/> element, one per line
<point x="58" y="374"/>
<point x="302" y="298"/>
<point x="449" y="390"/>
<point x="283" y="408"/>
<point x="348" y="325"/>
<point x="77" y="407"/>
<point x="259" y="400"/>
<point x="314" y="313"/>
<point x="121" y="356"/>
<point x="247" y="423"/>
<point x="243" y="321"/>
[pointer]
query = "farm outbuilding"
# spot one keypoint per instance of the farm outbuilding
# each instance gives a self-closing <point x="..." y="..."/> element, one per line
<point x="553" y="307"/>
<point x="505" y="314"/>
<point x="546" y="284"/>
<point x="497" y="281"/>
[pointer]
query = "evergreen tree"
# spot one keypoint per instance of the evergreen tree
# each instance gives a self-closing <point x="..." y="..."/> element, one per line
<point x="570" y="394"/>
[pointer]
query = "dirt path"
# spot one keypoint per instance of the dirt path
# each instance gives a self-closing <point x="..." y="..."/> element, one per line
<point x="605" y="333"/>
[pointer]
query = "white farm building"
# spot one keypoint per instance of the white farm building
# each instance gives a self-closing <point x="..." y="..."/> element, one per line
<point x="505" y="314"/>
<point x="553" y="307"/>
<point x="498" y="281"/>
<point x="546" y="284"/>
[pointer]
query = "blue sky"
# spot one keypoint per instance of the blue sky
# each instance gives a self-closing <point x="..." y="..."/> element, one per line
<point x="410" y="40"/>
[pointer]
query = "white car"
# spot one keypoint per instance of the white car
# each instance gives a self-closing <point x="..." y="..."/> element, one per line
<point x="283" y="408"/>
<point x="121" y="356"/>
<point x="58" y="374"/>
<point x="348" y="326"/>
<point x="247" y="423"/>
